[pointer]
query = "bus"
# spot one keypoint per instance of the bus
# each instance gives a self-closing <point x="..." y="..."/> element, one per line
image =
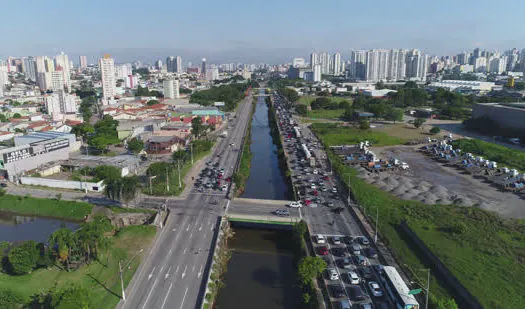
<point x="398" y="290"/>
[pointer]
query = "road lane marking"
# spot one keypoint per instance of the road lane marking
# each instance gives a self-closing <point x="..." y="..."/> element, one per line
<point x="177" y="270"/>
<point x="200" y="228"/>
<point x="151" y="273"/>
<point x="188" y="228"/>
<point x="200" y="273"/>
<point x="152" y="289"/>
<point x="185" y="249"/>
<point x="167" y="294"/>
<point x="211" y="228"/>
<point x="167" y="274"/>
<point x="184" y="272"/>
<point x="191" y="234"/>
<point x="183" y="298"/>
<point x="174" y="229"/>
<point x="193" y="269"/>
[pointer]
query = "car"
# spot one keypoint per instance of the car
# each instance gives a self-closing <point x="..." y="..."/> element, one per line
<point x="324" y="189"/>
<point x="366" y="272"/>
<point x="345" y="304"/>
<point x="282" y="213"/>
<point x="320" y="239"/>
<point x="341" y="252"/>
<point x="232" y="144"/>
<point x="323" y="251"/>
<point x="325" y="178"/>
<point x="295" y="204"/>
<point x="372" y="252"/>
<point x="356" y="293"/>
<point x="379" y="268"/>
<point x="328" y="261"/>
<point x="353" y="278"/>
<point x="330" y="204"/>
<point x="337" y="291"/>
<point x="336" y="240"/>
<point x="361" y="260"/>
<point x="312" y="186"/>
<point x="334" y="190"/>
<point x="355" y="249"/>
<point x="347" y="263"/>
<point x="315" y="172"/>
<point x="364" y="241"/>
<point x="315" y="193"/>
<point x="366" y="306"/>
<point x="332" y="274"/>
<point x="224" y="187"/>
<point x="375" y="289"/>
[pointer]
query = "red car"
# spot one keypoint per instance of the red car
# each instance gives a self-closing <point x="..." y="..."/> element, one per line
<point x="323" y="251"/>
<point x="325" y="178"/>
<point x="307" y="202"/>
<point x="220" y="176"/>
<point x="316" y="193"/>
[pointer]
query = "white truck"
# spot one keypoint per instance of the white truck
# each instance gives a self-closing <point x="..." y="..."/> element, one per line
<point x="224" y="134"/>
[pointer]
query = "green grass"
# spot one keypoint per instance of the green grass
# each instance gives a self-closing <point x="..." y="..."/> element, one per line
<point x="483" y="251"/>
<point x="326" y="113"/>
<point x="308" y="99"/>
<point x="126" y="243"/>
<point x="504" y="156"/>
<point x="45" y="207"/>
<point x="334" y="134"/>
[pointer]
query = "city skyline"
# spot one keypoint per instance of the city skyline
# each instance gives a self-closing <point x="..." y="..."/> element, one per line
<point x="438" y="30"/>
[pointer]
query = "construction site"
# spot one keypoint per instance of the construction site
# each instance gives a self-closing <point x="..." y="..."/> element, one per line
<point x="438" y="174"/>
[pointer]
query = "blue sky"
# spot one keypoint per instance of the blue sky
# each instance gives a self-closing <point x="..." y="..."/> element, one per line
<point x="257" y="27"/>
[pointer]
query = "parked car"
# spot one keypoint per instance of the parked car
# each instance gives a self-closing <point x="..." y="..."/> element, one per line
<point x="320" y="239"/>
<point x="336" y="240"/>
<point x="323" y="251"/>
<point x="364" y="241"/>
<point x="353" y="278"/>
<point x="372" y="252"/>
<point x="347" y="263"/>
<point x="375" y="289"/>
<point x="332" y="274"/>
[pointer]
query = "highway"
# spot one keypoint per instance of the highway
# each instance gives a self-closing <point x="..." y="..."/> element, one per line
<point x="173" y="272"/>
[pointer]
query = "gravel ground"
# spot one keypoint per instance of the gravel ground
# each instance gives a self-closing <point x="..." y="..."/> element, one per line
<point x="433" y="183"/>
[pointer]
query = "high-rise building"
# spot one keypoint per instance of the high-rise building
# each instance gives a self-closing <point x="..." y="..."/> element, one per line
<point x="57" y="80"/>
<point x="376" y="64"/>
<point x="40" y="64"/>
<point x="171" y="88"/>
<point x="158" y="64"/>
<point x="298" y="62"/>
<point x="358" y="64"/>
<point x="29" y="66"/>
<point x="337" y="64"/>
<point x="314" y="59"/>
<point x="171" y="64"/>
<point x="60" y="103"/>
<point x="317" y="73"/>
<point x="178" y="68"/>
<point x="396" y="64"/>
<point x="212" y="73"/>
<point x="107" y="70"/>
<point x="203" y="67"/>
<point x="123" y="70"/>
<point x="497" y="65"/>
<point x="324" y="60"/>
<point x="49" y="64"/>
<point x="62" y="61"/>
<point x="82" y="61"/>
<point x="417" y="65"/>
<point x="480" y="65"/>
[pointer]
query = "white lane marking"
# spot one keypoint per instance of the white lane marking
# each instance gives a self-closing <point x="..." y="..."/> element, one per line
<point x="191" y="234"/>
<point x="300" y="214"/>
<point x="167" y="294"/>
<point x="183" y="298"/>
<point x="200" y="273"/>
<point x="167" y="274"/>
<point x="200" y="228"/>
<point x="211" y="228"/>
<point x="151" y="273"/>
<point x="193" y="269"/>
<point x="171" y="250"/>
<point x="152" y="289"/>
<point x="184" y="272"/>
<point x="174" y="229"/>
<point x="188" y="228"/>
<point x="177" y="270"/>
<point x="185" y="249"/>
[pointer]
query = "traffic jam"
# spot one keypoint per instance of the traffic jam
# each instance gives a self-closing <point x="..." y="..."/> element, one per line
<point x="354" y="276"/>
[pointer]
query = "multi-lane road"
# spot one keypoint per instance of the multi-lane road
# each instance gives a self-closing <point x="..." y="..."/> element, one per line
<point x="173" y="272"/>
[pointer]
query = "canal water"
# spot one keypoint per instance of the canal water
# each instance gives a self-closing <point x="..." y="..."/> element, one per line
<point x="266" y="180"/>
<point x="15" y="228"/>
<point x="261" y="273"/>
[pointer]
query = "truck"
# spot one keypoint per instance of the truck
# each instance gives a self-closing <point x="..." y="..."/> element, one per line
<point x="224" y="134"/>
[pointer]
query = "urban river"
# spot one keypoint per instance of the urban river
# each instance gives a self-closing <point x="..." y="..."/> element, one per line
<point x="261" y="273"/>
<point x="266" y="180"/>
<point x="15" y="228"/>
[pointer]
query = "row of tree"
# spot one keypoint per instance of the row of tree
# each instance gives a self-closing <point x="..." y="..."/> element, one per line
<point x="229" y="94"/>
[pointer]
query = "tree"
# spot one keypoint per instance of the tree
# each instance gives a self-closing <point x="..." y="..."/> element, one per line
<point x="418" y="122"/>
<point x="449" y="303"/>
<point x="135" y="145"/>
<point x="309" y="268"/>
<point x="435" y="130"/>
<point x="63" y="246"/>
<point x="364" y="124"/>
<point x="3" y="118"/>
<point x="22" y="259"/>
<point x="73" y="296"/>
<point x="301" y="109"/>
<point x="179" y="155"/>
<point x="196" y="127"/>
<point x="410" y="84"/>
<point x="17" y="115"/>
<point x="152" y="102"/>
<point x="394" y="114"/>
<point x="83" y="130"/>
<point x="105" y="133"/>
<point x="380" y="85"/>
<point x="344" y="104"/>
<point x="10" y="300"/>
<point x="289" y="94"/>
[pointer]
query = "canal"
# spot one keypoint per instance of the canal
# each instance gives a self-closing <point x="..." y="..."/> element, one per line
<point x="261" y="273"/>
<point x="15" y="228"/>
<point x="266" y="180"/>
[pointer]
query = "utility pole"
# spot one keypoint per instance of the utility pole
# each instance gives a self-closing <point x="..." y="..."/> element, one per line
<point x="121" y="282"/>
<point x="349" y="190"/>
<point x="191" y="152"/>
<point x="377" y="219"/>
<point x="178" y="166"/>
<point x="428" y="289"/>
<point x="167" y="181"/>
<point x="150" y="188"/>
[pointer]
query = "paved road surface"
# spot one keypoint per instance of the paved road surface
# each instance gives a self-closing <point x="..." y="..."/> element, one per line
<point x="172" y="274"/>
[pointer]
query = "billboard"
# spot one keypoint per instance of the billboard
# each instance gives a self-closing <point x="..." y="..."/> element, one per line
<point x="18" y="154"/>
<point x="218" y="104"/>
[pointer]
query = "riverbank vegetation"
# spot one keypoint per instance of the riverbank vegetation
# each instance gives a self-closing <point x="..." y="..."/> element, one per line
<point x="473" y="243"/>
<point x="56" y="208"/>
<point x="229" y="94"/>
<point x="77" y="270"/>
<point x="158" y="172"/>
<point x="240" y="177"/>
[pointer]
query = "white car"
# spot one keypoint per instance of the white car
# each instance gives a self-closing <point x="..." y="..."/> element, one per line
<point x="332" y="274"/>
<point x="316" y="172"/>
<point x="353" y="278"/>
<point x="336" y="240"/>
<point x="334" y="190"/>
<point x="375" y="289"/>
<point x="312" y="186"/>
<point x="224" y="187"/>
<point x="320" y="239"/>
<point x="295" y="204"/>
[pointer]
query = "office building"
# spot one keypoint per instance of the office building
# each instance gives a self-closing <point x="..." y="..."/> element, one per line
<point x="107" y="71"/>
<point x="317" y="73"/>
<point x="376" y="64"/>
<point x="82" y="61"/>
<point x="337" y="64"/>
<point x="29" y="66"/>
<point x="358" y="64"/>
<point x="203" y="68"/>
<point x="62" y="61"/>
<point x="158" y="64"/>
<point x="298" y="62"/>
<point x="60" y="103"/>
<point x="178" y="66"/>
<point x="171" y="64"/>
<point x="314" y="59"/>
<point x="171" y="88"/>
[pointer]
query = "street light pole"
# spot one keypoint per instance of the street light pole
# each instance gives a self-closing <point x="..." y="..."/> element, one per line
<point x="349" y="190"/>
<point x="428" y="289"/>
<point x="167" y="181"/>
<point x="121" y="282"/>
<point x="191" y="152"/>
<point x="178" y="167"/>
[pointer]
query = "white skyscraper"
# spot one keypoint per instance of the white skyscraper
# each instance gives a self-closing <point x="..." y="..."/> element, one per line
<point x="417" y="65"/>
<point x="324" y="61"/>
<point x="57" y="81"/>
<point x="498" y="65"/>
<point x="358" y="64"/>
<point x="212" y="73"/>
<point x="337" y="64"/>
<point x="29" y="66"/>
<point x="60" y="103"/>
<point x="317" y="73"/>
<point x="377" y="64"/>
<point x="40" y="64"/>
<point x="298" y="62"/>
<point x="62" y="61"/>
<point x="396" y="64"/>
<point x="83" y="61"/>
<point x="107" y="70"/>
<point x="480" y="65"/>
<point x="314" y="59"/>
<point x="178" y="68"/>
<point x="171" y="88"/>
<point x="123" y="70"/>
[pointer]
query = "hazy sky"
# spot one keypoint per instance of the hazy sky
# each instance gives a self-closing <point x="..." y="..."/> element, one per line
<point x="255" y="28"/>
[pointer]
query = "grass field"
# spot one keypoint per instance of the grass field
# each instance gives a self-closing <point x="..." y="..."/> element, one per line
<point x="510" y="158"/>
<point x="403" y="131"/>
<point x="45" y="207"/>
<point x="326" y="113"/>
<point x="100" y="278"/>
<point x="484" y="252"/>
<point x="334" y="134"/>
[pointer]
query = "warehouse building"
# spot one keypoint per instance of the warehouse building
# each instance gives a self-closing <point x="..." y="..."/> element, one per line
<point x="510" y="115"/>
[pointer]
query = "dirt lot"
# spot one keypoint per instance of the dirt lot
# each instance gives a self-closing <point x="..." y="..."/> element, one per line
<point x="433" y="183"/>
